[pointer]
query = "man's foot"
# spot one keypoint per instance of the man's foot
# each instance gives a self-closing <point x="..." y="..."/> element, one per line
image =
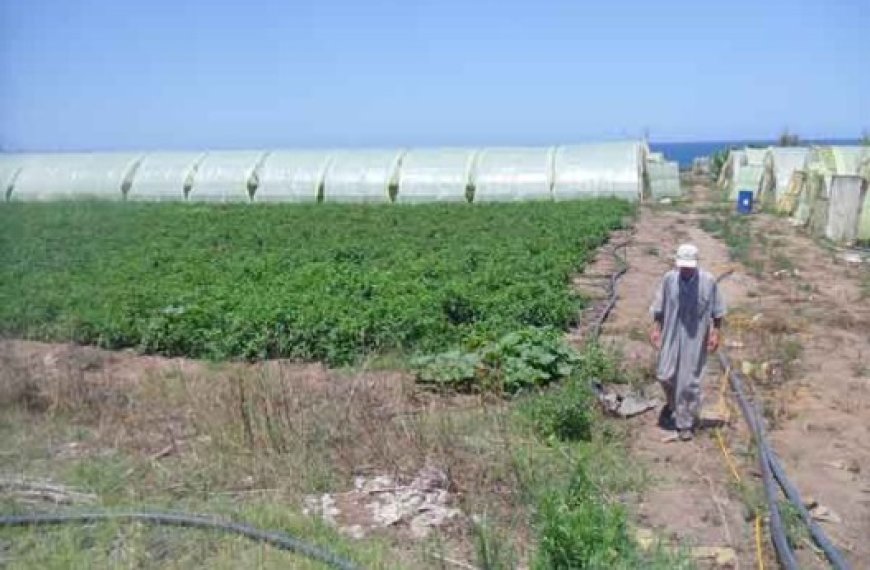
<point x="686" y="435"/>
<point x="666" y="418"/>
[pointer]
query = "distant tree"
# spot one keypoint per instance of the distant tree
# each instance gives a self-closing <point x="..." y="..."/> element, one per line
<point x="865" y="137"/>
<point x="787" y="138"/>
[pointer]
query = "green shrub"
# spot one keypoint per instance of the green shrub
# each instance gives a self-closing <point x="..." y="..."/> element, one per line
<point x="564" y="413"/>
<point x="577" y="530"/>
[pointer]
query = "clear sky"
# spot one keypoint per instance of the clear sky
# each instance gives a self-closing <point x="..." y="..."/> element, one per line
<point x="134" y="74"/>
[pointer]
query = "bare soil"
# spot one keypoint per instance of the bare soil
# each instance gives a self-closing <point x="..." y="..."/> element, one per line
<point x="799" y="324"/>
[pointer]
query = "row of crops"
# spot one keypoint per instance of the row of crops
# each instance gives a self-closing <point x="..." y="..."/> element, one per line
<point x="315" y="282"/>
<point x="617" y="169"/>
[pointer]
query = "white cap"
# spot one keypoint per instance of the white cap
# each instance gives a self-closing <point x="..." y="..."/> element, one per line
<point x="687" y="256"/>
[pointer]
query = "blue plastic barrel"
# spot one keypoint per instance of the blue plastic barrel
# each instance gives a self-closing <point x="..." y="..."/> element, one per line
<point x="744" y="202"/>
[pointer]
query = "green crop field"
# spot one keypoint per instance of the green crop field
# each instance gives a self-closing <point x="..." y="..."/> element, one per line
<point x="319" y="282"/>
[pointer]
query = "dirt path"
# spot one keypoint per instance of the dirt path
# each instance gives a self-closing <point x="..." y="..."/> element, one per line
<point x="802" y="325"/>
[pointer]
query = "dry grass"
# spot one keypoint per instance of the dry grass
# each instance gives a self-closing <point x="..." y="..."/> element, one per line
<point x="184" y="431"/>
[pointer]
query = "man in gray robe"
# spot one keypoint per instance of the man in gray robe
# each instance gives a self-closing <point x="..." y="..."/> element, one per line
<point x="687" y="303"/>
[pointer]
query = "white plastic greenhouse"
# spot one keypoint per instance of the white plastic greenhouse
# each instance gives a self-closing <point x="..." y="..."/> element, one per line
<point x="599" y="170"/>
<point x="748" y="178"/>
<point x="779" y="165"/>
<point x="436" y="175"/>
<point x="165" y="176"/>
<point x="226" y="176"/>
<point x="755" y="155"/>
<point x="514" y="174"/>
<point x="292" y="176"/>
<point x="664" y="179"/>
<point x="10" y="167"/>
<point x="844" y="208"/>
<point x="362" y="176"/>
<point x="75" y="175"/>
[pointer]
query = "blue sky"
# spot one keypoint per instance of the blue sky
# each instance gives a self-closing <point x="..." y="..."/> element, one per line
<point x="112" y="74"/>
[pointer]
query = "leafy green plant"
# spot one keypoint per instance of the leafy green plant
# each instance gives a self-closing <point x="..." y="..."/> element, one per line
<point x="326" y="282"/>
<point x="577" y="529"/>
<point x="524" y="359"/>
<point x="565" y="413"/>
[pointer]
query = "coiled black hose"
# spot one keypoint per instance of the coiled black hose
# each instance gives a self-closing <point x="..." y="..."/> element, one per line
<point x="278" y="540"/>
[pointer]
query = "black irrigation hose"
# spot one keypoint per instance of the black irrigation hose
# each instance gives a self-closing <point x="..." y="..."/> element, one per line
<point x="615" y="278"/>
<point x="278" y="540"/>
<point x="821" y="539"/>
<point x="772" y="461"/>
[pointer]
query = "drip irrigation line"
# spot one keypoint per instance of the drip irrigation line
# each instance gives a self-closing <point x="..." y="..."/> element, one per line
<point x="278" y="540"/>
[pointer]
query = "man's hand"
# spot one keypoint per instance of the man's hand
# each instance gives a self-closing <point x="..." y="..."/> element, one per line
<point x="713" y="340"/>
<point x="655" y="336"/>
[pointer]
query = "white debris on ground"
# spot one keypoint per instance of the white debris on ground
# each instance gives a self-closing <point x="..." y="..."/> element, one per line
<point x="382" y="501"/>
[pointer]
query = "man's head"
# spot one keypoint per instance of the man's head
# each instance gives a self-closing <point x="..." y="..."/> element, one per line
<point x="686" y="260"/>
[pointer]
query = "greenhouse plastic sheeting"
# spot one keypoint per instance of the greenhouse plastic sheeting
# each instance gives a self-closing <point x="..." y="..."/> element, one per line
<point x="731" y="169"/>
<point x="514" y="174"/>
<point x="844" y="208"/>
<point x="779" y="165"/>
<point x="74" y="176"/>
<point x="10" y="167"/>
<point x="755" y="155"/>
<point x="164" y="176"/>
<point x="748" y="178"/>
<point x="787" y="201"/>
<point x="436" y="175"/>
<point x="226" y="176"/>
<point x="292" y="176"/>
<point x="664" y="179"/>
<point x="864" y="224"/>
<point x="361" y="176"/>
<point x="598" y="170"/>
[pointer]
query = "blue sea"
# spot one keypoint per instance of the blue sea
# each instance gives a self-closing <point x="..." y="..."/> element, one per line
<point x="686" y="152"/>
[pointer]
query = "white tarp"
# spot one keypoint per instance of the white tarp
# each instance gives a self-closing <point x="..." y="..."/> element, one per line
<point x="226" y="176"/>
<point x="664" y="179"/>
<point x="75" y="175"/>
<point x="844" y="208"/>
<point x="436" y="175"/>
<point x="779" y="165"/>
<point x="361" y="176"/>
<point x="514" y="174"/>
<point x="292" y="176"/>
<point x="599" y="170"/>
<point x="164" y="176"/>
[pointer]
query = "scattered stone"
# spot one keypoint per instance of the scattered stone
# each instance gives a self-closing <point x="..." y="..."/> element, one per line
<point x="383" y="501"/>
<point x="822" y="513"/>
<point x="721" y="556"/>
<point x="618" y="401"/>
<point x="851" y="257"/>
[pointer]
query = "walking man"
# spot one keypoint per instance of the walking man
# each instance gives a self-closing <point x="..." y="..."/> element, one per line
<point x="687" y="316"/>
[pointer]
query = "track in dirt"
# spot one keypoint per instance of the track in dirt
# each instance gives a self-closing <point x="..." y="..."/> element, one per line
<point x="693" y="498"/>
